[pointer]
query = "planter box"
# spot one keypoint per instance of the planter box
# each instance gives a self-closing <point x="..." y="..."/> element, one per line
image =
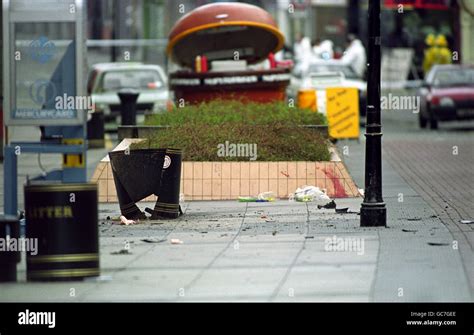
<point x="148" y="131"/>
<point x="229" y="180"/>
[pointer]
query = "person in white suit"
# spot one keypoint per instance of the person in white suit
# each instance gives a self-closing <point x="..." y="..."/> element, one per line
<point x="355" y="55"/>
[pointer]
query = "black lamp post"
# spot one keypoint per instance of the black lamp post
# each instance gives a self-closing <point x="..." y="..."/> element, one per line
<point x="373" y="212"/>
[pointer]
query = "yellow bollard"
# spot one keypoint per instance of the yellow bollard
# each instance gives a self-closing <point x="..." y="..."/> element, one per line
<point x="307" y="99"/>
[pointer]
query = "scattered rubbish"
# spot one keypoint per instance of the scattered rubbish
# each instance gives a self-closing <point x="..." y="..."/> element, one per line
<point x="107" y="218"/>
<point x="121" y="252"/>
<point x="361" y="191"/>
<point x="438" y="244"/>
<point x="176" y="241"/>
<point x="274" y="233"/>
<point x="262" y="197"/>
<point x="98" y="278"/>
<point x="413" y="219"/>
<point x="203" y="232"/>
<point x="329" y="205"/>
<point x="409" y="230"/>
<point x="312" y="193"/>
<point x="247" y="199"/>
<point x="467" y="221"/>
<point x="267" y="196"/>
<point x="309" y="237"/>
<point x="126" y="221"/>
<point x="214" y="220"/>
<point x="152" y="240"/>
<point x="342" y="210"/>
<point x="263" y="217"/>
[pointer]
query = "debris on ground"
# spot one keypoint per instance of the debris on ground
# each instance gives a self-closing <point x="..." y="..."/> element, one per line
<point x="263" y="217"/>
<point x="438" y="244"/>
<point x="409" y="230"/>
<point x="414" y="219"/>
<point x="262" y="197"/>
<point x="312" y="194"/>
<point x="247" y="199"/>
<point x="176" y="241"/>
<point x="121" y="252"/>
<point x="274" y="233"/>
<point x="341" y="210"/>
<point x="153" y="240"/>
<point x="267" y="196"/>
<point x="126" y="222"/>
<point x="102" y="278"/>
<point x="467" y="221"/>
<point x="329" y="205"/>
<point x="362" y="192"/>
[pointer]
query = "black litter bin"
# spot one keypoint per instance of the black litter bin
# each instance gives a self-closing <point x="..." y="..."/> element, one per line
<point x="64" y="220"/>
<point x="9" y="255"/>
<point x="144" y="172"/>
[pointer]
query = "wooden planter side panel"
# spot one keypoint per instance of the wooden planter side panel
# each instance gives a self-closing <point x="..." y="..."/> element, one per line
<point x="229" y="180"/>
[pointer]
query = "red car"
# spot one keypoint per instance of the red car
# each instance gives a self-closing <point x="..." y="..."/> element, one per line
<point x="447" y="95"/>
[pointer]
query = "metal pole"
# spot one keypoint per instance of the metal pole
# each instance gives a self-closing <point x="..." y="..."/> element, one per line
<point x="373" y="212"/>
<point x="353" y="17"/>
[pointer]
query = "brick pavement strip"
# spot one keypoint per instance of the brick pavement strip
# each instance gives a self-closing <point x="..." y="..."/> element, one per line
<point x="446" y="183"/>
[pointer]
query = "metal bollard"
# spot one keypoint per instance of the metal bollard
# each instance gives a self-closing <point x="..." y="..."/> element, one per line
<point x="128" y="100"/>
<point x="96" y="130"/>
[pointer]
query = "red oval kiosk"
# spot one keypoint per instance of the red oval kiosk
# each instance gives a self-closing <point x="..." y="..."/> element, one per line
<point x="217" y="45"/>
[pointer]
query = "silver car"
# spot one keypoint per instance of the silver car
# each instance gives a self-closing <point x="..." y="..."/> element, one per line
<point x="107" y="79"/>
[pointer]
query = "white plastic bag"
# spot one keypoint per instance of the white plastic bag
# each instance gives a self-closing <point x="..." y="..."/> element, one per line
<point x="312" y="194"/>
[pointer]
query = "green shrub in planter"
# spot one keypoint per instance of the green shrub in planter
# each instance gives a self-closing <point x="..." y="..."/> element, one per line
<point x="237" y="131"/>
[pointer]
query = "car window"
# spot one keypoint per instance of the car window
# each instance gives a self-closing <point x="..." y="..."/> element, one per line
<point x="453" y="77"/>
<point x="115" y="80"/>
<point x="346" y="70"/>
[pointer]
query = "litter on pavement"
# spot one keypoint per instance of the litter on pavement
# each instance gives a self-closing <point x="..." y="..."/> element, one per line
<point x="312" y="194"/>
<point x="262" y="197"/>
<point x="152" y="240"/>
<point x="467" y="221"/>
<point x="126" y="221"/>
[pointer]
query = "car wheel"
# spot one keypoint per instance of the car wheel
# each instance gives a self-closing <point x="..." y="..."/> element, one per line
<point x="433" y="123"/>
<point x="421" y="120"/>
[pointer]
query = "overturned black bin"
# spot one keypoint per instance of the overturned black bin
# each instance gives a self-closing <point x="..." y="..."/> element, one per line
<point x="10" y="254"/>
<point x="143" y="172"/>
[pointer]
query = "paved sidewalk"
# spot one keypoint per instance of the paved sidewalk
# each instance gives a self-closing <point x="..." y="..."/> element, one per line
<point x="280" y="251"/>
